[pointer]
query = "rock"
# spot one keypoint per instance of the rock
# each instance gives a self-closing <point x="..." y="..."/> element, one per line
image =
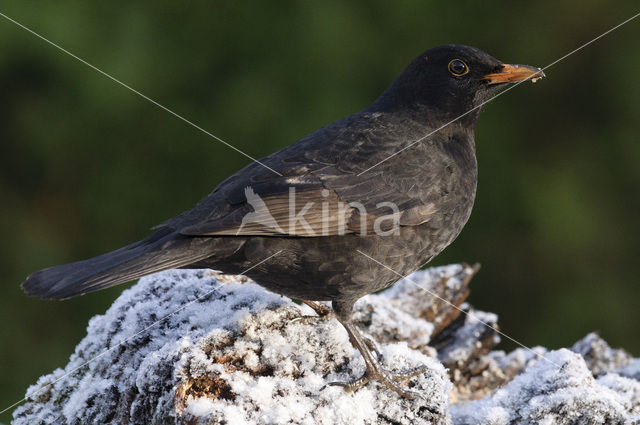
<point x="601" y="358"/>
<point x="226" y="353"/>
<point x="195" y="347"/>
<point x="558" y="389"/>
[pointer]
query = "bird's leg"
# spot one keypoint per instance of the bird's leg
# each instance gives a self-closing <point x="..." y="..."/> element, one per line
<point x="323" y="313"/>
<point x="320" y="309"/>
<point x="374" y="370"/>
<point x="372" y="346"/>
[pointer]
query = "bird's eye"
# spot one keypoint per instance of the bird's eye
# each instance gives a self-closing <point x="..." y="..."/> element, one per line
<point x="458" y="67"/>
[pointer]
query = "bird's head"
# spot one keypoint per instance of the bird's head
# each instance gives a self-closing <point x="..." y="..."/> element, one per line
<point x="450" y="80"/>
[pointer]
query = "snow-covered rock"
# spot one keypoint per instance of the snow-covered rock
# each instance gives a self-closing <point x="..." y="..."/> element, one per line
<point x="195" y="347"/>
<point x="557" y="389"/>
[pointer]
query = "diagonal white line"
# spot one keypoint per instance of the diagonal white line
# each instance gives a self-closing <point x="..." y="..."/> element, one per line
<point x="266" y="166"/>
<point x="595" y="39"/>
<point x="131" y="337"/>
<point x="501" y="93"/>
<point x="415" y="142"/>
<point x="474" y="317"/>
<point x="138" y="93"/>
<point x="253" y="159"/>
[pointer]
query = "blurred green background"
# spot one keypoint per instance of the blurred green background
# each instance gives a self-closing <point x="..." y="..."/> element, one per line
<point x="88" y="166"/>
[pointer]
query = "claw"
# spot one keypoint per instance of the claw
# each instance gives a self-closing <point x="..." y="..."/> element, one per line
<point x="374" y="370"/>
<point x="308" y="320"/>
<point x="323" y="313"/>
<point x="371" y="344"/>
<point x="320" y="309"/>
<point x="385" y="377"/>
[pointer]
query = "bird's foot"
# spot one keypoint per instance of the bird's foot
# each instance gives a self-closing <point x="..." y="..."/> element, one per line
<point x="323" y="313"/>
<point x="389" y="379"/>
<point x="321" y="310"/>
<point x="371" y="344"/>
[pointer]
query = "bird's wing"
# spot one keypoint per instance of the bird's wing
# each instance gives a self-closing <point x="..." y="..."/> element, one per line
<point x="305" y="207"/>
<point x="320" y="191"/>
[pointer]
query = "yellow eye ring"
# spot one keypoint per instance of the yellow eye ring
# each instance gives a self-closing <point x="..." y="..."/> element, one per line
<point x="458" y="68"/>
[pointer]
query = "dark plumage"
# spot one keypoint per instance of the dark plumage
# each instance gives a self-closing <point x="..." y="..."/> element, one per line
<point x="432" y="183"/>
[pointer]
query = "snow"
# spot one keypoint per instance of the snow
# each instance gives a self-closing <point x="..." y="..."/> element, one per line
<point x="198" y="347"/>
<point x="240" y="343"/>
<point x="599" y="356"/>
<point x="546" y="393"/>
<point x="630" y="370"/>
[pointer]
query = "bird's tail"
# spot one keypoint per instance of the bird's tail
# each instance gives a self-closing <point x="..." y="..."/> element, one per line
<point x="162" y="250"/>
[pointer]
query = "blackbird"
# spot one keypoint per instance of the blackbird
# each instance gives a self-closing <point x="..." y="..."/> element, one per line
<point x="338" y="214"/>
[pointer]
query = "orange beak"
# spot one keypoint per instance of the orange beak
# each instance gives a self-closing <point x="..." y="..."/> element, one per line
<point x="514" y="74"/>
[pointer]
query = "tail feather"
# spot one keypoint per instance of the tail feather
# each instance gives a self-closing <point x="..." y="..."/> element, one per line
<point x="161" y="251"/>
